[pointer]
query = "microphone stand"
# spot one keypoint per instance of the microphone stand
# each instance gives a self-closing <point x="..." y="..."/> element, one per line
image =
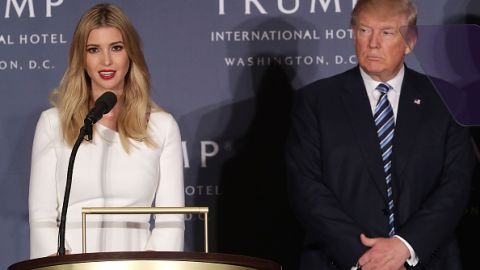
<point x="85" y="131"/>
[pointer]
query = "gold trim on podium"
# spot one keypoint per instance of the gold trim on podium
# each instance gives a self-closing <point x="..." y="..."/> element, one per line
<point x="147" y="260"/>
<point x="146" y="265"/>
<point x="141" y="210"/>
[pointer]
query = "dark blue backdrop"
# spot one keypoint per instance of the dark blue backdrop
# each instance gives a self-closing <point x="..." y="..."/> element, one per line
<point x="227" y="70"/>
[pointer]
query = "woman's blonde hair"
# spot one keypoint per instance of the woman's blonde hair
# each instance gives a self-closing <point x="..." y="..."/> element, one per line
<point x="73" y="95"/>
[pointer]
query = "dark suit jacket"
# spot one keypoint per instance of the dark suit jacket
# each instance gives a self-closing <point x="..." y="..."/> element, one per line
<point x="337" y="183"/>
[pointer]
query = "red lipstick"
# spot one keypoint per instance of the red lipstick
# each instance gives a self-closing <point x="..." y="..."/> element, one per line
<point x="106" y="74"/>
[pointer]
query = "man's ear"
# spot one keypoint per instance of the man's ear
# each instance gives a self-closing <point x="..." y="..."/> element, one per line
<point x="410" y="36"/>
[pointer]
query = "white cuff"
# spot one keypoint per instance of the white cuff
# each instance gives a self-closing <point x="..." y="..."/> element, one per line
<point x="413" y="260"/>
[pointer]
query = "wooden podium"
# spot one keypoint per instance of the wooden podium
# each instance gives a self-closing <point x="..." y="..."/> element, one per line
<point x="148" y="260"/>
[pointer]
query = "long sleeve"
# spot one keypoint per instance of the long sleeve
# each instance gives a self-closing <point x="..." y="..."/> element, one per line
<point x="43" y="202"/>
<point x="168" y="233"/>
<point x="317" y="207"/>
<point x="443" y="208"/>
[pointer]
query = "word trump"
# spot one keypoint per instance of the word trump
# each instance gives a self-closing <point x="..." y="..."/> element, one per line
<point x="20" y="7"/>
<point x="283" y="6"/>
<point x="208" y="149"/>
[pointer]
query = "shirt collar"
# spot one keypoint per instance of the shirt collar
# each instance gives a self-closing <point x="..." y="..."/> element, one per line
<point x="395" y="82"/>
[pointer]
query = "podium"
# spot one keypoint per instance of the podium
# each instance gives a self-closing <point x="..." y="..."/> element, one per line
<point x="148" y="260"/>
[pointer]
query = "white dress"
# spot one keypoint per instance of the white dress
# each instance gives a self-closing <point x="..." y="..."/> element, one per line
<point x="105" y="175"/>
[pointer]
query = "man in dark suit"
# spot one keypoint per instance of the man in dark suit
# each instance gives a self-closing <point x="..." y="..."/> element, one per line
<point x="379" y="172"/>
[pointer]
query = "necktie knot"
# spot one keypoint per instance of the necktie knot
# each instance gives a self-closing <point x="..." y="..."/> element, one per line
<point x="383" y="88"/>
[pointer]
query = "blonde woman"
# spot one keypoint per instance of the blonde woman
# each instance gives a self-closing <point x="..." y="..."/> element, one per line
<point x="134" y="159"/>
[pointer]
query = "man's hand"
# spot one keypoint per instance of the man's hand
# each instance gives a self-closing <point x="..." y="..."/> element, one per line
<point x="384" y="253"/>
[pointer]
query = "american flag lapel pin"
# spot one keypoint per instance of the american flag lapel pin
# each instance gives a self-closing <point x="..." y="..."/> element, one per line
<point x="417" y="101"/>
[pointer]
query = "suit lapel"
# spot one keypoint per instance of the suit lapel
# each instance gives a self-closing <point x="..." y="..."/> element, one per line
<point x="357" y="107"/>
<point x="408" y="122"/>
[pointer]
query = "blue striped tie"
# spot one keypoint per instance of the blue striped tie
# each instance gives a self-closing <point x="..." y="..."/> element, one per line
<point x="385" y="123"/>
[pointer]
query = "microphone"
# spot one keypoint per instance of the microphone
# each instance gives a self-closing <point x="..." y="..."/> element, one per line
<point x="102" y="106"/>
